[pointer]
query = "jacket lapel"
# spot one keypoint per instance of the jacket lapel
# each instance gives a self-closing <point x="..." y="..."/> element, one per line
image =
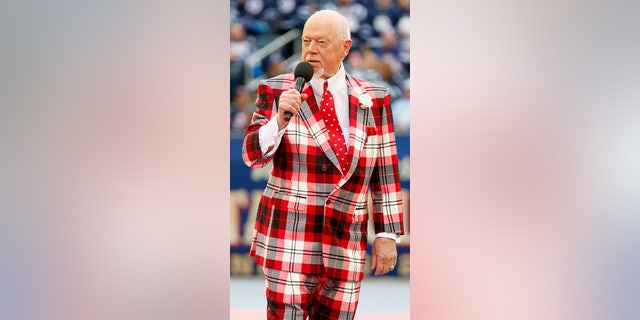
<point x="358" y="119"/>
<point x="310" y="114"/>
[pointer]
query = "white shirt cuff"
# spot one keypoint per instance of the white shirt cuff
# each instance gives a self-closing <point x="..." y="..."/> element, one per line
<point x="270" y="137"/>
<point x="388" y="235"/>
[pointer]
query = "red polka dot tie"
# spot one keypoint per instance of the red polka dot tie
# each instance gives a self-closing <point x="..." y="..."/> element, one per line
<point x="333" y="126"/>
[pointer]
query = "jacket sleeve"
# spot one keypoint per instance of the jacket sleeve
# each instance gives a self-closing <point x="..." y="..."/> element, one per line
<point x="385" y="180"/>
<point x="266" y="109"/>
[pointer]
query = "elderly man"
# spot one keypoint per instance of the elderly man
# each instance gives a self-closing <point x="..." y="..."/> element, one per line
<point x="310" y="233"/>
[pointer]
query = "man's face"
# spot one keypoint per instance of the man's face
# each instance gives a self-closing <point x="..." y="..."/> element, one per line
<point x="322" y="47"/>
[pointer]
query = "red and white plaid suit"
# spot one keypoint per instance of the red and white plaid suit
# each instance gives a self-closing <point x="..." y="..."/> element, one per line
<point x="310" y="215"/>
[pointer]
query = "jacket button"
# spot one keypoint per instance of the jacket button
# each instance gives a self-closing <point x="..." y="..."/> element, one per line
<point x="328" y="202"/>
<point x="324" y="167"/>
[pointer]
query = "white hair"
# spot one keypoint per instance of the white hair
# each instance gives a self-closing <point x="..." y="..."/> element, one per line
<point x="341" y="21"/>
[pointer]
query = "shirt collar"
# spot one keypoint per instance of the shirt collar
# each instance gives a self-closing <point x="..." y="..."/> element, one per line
<point x="337" y="82"/>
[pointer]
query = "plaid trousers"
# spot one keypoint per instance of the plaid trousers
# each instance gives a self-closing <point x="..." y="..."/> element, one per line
<point x="298" y="296"/>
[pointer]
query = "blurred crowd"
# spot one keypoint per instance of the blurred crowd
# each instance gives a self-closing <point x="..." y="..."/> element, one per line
<point x="380" y="51"/>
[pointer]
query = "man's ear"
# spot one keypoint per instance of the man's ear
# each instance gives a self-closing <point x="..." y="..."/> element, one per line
<point x="347" y="47"/>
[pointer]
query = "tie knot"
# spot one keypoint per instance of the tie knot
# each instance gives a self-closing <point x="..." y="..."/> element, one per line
<point x="325" y="86"/>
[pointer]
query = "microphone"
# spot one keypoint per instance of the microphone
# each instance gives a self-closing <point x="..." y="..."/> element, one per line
<point x="303" y="74"/>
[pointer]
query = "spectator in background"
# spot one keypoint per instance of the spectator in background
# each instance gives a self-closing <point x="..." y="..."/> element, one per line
<point x="255" y="15"/>
<point x="356" y="14"/>
<point x="393" y="71"/>
<point x="382" y="17"/>
<point x="389" y="78"/>
<point x="241" y="46"/>
<point x="275" y="66"/>
<point x="291" y="14"/>
<point x="400" y="108"/>
<point x="372" y="68"/>
<point x="389" y="52"/>
<point x="402" y="27"/>
<point x="363" y="63"/>
<point x="312" y="6"/>
<point x="242" y="108"/>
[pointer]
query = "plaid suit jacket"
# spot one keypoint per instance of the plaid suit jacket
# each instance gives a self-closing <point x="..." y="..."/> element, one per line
<point x="312" y="216"/>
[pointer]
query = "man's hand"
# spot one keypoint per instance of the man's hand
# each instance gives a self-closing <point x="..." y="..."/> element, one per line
<point x="290" y="101"/>
<point x="384" y="255"/>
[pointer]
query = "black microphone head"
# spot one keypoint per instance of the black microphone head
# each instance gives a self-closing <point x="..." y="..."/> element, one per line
<point x="304" y="70"/>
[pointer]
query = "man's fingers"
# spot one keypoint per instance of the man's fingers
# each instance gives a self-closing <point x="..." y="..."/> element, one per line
<point x="291" y="101"/>
<point x="381" y="270"/>
<point x="380" y="266"/>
